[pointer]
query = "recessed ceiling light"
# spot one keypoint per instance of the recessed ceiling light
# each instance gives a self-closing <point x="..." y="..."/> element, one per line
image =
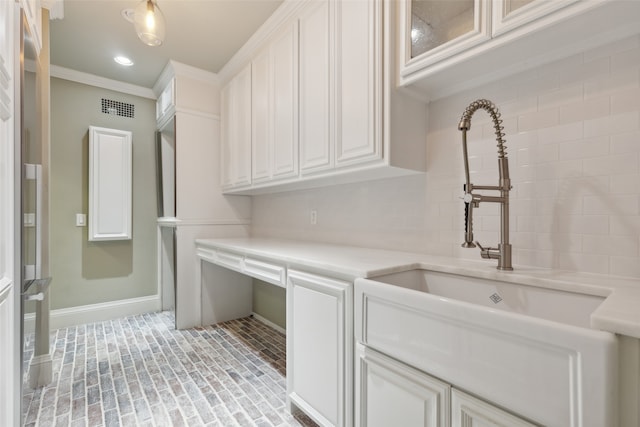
<point x="123" y="60"/>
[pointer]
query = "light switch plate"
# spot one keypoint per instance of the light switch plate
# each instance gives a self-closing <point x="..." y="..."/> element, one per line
<point x="29" y="219"/>
<point x="81" y="220"/>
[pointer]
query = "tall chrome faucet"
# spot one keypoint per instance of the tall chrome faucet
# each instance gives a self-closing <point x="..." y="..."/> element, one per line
<point x="503" y="252"/>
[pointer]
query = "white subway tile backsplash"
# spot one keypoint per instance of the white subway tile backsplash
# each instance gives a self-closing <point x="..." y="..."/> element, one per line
<point x="611" y="125"/>
<point x="625" y="101"/>
<point x="588" y="109"/>
<point x="584" y="148"/>
<point x="624" y="266"/>
<point x="588" y="263"/>
<point x="538" y="119"/>
<point x="573" y="137"/>
<point x="611" y="165"/>
<point x="559" y="170"/>
<point x="624" y="225"/>
<point x="564" y="132"/>
<point x="562" y="96"/>
<point x="603" y="204"/>
<point x="625" y="142"/>
<point x="607" y="84"/>
<point x="624" y="184"/>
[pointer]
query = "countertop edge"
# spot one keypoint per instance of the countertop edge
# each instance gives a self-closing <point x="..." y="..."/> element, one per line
<point x="618" y="313"/>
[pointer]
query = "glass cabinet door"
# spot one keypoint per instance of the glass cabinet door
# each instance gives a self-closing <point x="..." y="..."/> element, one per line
<point x="434" y="23"/>
<point x="511" y="14"/>
<point x="433" y="30"/>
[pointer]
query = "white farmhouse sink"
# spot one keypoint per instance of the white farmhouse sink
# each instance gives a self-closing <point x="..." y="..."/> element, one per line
<point x="527" y="349"/>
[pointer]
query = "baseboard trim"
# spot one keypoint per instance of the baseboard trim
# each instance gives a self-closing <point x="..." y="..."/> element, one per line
<point x="73" y="316"/>
<point x="269" y="323"/>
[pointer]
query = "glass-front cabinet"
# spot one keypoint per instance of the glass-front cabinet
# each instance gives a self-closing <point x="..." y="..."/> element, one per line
<point x="437" y="29"/>
<point x="450" y="45"/>
<point x="511" y="14"/>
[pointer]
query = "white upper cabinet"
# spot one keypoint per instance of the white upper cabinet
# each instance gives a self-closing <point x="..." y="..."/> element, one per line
<point x="274" y="107"/>
<point x="358" y="81"/>
<point x="236" y="131"/>
<point x="323" y="91"/>
<point x="450" y="46"/>
<point x="434" y="30"/>
<point x="511" y="14"/>
<point x="166" y="103"/>
<point x="316" y="150"/>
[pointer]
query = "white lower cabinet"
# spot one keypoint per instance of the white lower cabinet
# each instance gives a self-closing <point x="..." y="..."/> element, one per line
<point x="468" y="411"/>
<point x="390" y="393"/>
<point x="320" y="347"/>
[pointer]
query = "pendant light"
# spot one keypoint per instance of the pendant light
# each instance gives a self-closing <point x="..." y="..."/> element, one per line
<point x="149" y="23"/>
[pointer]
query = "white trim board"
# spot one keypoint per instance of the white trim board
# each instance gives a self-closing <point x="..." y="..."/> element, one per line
<point x="101" y="82"/>
<point x="73" y="316"/>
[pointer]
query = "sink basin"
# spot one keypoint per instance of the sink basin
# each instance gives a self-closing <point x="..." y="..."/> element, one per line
<point x="559" y="306"/>
<point x="524" y="348"/>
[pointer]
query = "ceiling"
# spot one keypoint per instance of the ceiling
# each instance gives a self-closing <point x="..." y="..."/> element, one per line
<point x="201" y="33"/>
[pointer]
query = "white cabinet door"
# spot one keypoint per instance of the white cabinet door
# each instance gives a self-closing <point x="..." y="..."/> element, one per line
<point x="320" y="347"/>
<point x="274" y="103"/>
<point x="165" y="105"/>
<point x="431" y="31"/>
<point x="284" y="54"/>
<point x="389" y="393"/>
<point x="110" y="184"/>
<point x="261" y="137"/>
<point x="468" y="411"/>
<point x="236" y="130"/>
<point x="316" y="150"/>
<point x="511" y="14"/>
<point x="358" y="81"/>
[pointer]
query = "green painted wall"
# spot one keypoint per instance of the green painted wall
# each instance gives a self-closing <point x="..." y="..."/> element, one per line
<point x="270" y="302"/>
<point x="95" y="272"/>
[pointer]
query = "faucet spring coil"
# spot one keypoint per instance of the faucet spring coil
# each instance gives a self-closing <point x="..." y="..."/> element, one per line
<point x="489" y="107"/>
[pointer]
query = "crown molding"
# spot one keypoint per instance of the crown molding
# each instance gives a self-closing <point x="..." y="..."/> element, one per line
<point x="175" y="68"/>
<point x="282" y="14"/>
<point x="102" y="82"/>
<point x="56" y="8"/>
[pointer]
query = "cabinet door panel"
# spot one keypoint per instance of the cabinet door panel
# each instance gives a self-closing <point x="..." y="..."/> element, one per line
<point x="358" y="81"/>
<point x="315" y="130"/>
<point x="391" y="393"/>
<point x="285" y="106"/>
<point x="432" y="31"/>
<point x="468" y="411"/>
<point x="509" y="15"/>
<point x="226" y="133"/>
<point x="260" y="117"/>
<point x="319" y="346"/>
<point x="241" y="116"/>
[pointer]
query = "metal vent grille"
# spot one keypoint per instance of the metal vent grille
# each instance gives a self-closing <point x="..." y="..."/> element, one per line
<point x="117" y="108"/>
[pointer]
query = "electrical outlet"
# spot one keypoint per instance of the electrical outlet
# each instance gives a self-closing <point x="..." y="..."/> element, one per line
<point x="313" y="217"/>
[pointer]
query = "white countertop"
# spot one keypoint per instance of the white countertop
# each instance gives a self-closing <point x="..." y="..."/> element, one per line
<point x="619" y="313"/>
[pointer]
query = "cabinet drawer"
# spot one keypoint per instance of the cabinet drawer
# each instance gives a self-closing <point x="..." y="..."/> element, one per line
<point x="272" y="273"/>
<point x="230" y="260"/>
